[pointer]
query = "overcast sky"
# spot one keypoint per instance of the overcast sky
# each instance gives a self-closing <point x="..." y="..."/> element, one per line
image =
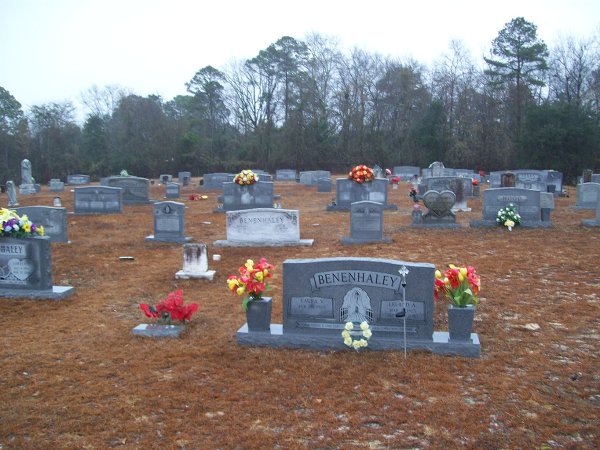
<point x="52" y="51"/>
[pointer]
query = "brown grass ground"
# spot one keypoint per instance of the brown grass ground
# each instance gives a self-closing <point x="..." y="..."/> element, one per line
<point x="73" y="376"/>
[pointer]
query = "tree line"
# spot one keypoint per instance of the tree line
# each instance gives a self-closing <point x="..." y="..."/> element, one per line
<point x="306" y="104"/>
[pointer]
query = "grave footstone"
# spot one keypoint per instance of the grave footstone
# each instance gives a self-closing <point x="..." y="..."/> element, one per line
<point x="195" y="263"/>
<point x="263" y="227"/>
<point x="366" y="223"/>
<point x="169" y="223"/>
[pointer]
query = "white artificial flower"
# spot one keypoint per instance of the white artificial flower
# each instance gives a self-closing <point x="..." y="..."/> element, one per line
<point x="345" y="334"/>
<point x="364" y="325"/>
<point x="367" y="333"/>
<point x="349" y="326"/>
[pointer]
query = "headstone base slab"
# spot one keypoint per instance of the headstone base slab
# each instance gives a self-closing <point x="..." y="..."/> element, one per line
<point x="435" y="225"/>
<point x="208" y="275"/>
<point x="590" y="223"/>
<point x="388" y="207"/>
<point x="57" y="293"/>
<point x="299" y="242"/>
<point x="158" y="330"/>
<point x="440" y="343"/>
<point x="355" y="241"/>
<point x="493" y="223"/>
<point x="182" y="240"/>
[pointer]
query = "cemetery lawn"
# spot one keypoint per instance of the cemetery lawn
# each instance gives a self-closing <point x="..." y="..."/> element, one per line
<point x="73" y="376"/>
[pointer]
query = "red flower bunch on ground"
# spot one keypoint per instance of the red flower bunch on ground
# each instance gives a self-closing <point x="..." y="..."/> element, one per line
<point x="197" y="197"/>
<point x="459" y="284"/>
<point x="361" y="174"/>
<point x="251" y="282"/>
<point x="170" y="309"/>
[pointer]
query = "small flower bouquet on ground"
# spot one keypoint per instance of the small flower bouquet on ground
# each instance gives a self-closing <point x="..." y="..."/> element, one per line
<point x="17" y="226"/>
<point x="245" y="178"/>
<point x="509" y="216"/>
<point x="170" y="309"/>
<point x="361" y="174"/>
<point x="357" y="339"/>
<point x="251" y="282"/>
<point x="459" y="284"/>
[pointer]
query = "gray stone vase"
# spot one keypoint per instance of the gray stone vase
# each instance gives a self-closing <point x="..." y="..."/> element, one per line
<point x="258" y="315"/>
<point x="460" y="322"/>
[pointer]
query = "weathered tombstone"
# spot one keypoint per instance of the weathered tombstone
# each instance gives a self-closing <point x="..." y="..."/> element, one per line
<point x="11" y="192"/>
<point x="439" y="210"/>
<point x="136" y="190"/>
<point x="53" y="219"/>
<point x="527" y="201"/>
<point x="593" y="222"/>
<point x="98" y="200"/>
<point x="169" y="223"/>
<point x="406" y="172"/>
<point x="27" y="186"/>
<point x="437" y="169"/>
<point x="195" y="263"/>
<point x="78" y="179"/>
<point x="587" y="176"/>
<point x="348" y="192"/>
<point x="587" y="195"/>
<point x="321" y="295"/>
<point x="165" y="178"/>
<point x="236" y="197"/>
<point x="310" y="177"/>
<point x="507" y="179"/>
<point x="324" y="185"/>
<point x="56" y="185"/>
<point x="554" y="182"/>
<point x="285" y="175"/>
<point x="216" y="180"/>
<point x="530" y="179"/>
<point x="263" y="227"/>
<point x="366" y="223"/>
<point x="26" y="269"/>
<point x="546" y="205"/>
<point x="172" y="190"/>
<point x="184" y="178"/>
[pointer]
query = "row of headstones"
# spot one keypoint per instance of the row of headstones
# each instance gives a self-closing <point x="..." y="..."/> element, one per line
<point x="407" y="173"/>
<point x="539" y="180"/>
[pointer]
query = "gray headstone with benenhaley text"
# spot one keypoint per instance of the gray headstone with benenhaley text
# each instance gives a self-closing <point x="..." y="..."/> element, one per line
<point x="98" y="200"/>
<point x="321" y="295"/>
<point x="53" y="219"/>
<point x="263" y="227"/>
<point x="26" y="269"/>
<point x="169" y="223"/>
<point x="366" y="223"/>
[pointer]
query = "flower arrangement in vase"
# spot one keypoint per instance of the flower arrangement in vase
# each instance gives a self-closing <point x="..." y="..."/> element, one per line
<point x="459" y="284"/>
<point x="17" y="226"/>
<point x="508" y="216"/>
<point x="251" y="282"/>
<point x="361" y="174"/>
<point x="245" y="178"/>
<point x="170" y="309"/>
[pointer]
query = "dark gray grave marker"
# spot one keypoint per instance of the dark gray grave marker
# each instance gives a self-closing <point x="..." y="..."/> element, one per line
<point x="98" y="200"/>
<point x="169" y="223"/>
<point x="366" y="223"/>
<point x="54" y="220"/>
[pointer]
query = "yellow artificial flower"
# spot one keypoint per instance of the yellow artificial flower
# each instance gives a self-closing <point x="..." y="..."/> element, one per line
<point x="249" y="265"/>
<point x="438" y="275"/>
<point x="232" y="283"/>
<point x="240" y="290"/>
<point x="40" y="230"/>
<point x="27" y="227"/>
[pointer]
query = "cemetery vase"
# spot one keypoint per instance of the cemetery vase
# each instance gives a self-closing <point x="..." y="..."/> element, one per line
<point x="258" y="314"/>
<point x="460" y="322"/>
